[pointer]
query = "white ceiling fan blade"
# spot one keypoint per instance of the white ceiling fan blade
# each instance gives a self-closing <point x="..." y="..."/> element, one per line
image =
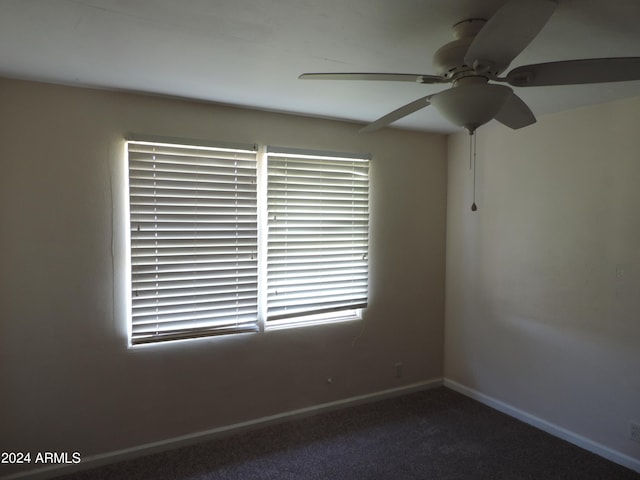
<point x="388" y="77"/>
<point x="515" y="113"/>
<point x="507" y="33"/>
<point x="575" y="72"/>
<point x="397" y="114"/>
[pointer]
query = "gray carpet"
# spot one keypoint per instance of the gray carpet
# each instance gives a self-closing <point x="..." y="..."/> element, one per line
<point x="435" y="434"/>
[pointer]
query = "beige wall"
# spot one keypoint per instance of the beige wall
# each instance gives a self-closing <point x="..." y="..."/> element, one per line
<point x="68" y="381"/>
<point x="543" y="281"/>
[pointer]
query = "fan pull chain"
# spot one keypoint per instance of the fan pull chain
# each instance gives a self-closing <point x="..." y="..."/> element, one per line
<point x="472" y="164"/>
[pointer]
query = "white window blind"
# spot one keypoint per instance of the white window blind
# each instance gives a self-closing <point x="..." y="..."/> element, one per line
<point x="317" y="241"/>
<point x="193" y="214"/>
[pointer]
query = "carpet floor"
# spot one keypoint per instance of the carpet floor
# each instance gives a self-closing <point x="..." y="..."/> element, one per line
<point x="433" y="434"/>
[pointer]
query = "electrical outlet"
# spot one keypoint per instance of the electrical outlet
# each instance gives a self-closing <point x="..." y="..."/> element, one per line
<point x="398" y="367"/>
<point x="634" y="431"/>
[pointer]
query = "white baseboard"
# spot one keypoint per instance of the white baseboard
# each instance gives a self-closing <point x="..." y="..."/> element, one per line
<point x="555" y="430"/>
<point x="94" y="461"/>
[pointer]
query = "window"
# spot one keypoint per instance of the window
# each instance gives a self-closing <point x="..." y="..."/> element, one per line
<point x="197" y="267"/>
<point x="318" y="216"/>
<point x="194" y="241"/>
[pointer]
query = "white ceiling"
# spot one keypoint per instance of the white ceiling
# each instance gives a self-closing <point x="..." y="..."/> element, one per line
<point x="250" y="52"/>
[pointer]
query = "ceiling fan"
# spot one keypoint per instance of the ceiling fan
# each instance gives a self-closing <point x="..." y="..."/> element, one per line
<point x="482" y="50"/>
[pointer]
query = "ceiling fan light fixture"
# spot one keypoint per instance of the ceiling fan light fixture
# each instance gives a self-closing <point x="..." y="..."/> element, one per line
<point x="473" y="105"/>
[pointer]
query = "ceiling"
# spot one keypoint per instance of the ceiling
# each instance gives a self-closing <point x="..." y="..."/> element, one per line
<point x="250" y="52"/>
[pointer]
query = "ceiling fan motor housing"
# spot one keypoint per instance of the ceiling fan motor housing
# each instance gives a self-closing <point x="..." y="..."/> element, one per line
<point x="448" y="60"/>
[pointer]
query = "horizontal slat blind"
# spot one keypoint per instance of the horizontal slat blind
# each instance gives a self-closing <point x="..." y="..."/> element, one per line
<point x="317" y="242"/>
<point x="193" y="214"/>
